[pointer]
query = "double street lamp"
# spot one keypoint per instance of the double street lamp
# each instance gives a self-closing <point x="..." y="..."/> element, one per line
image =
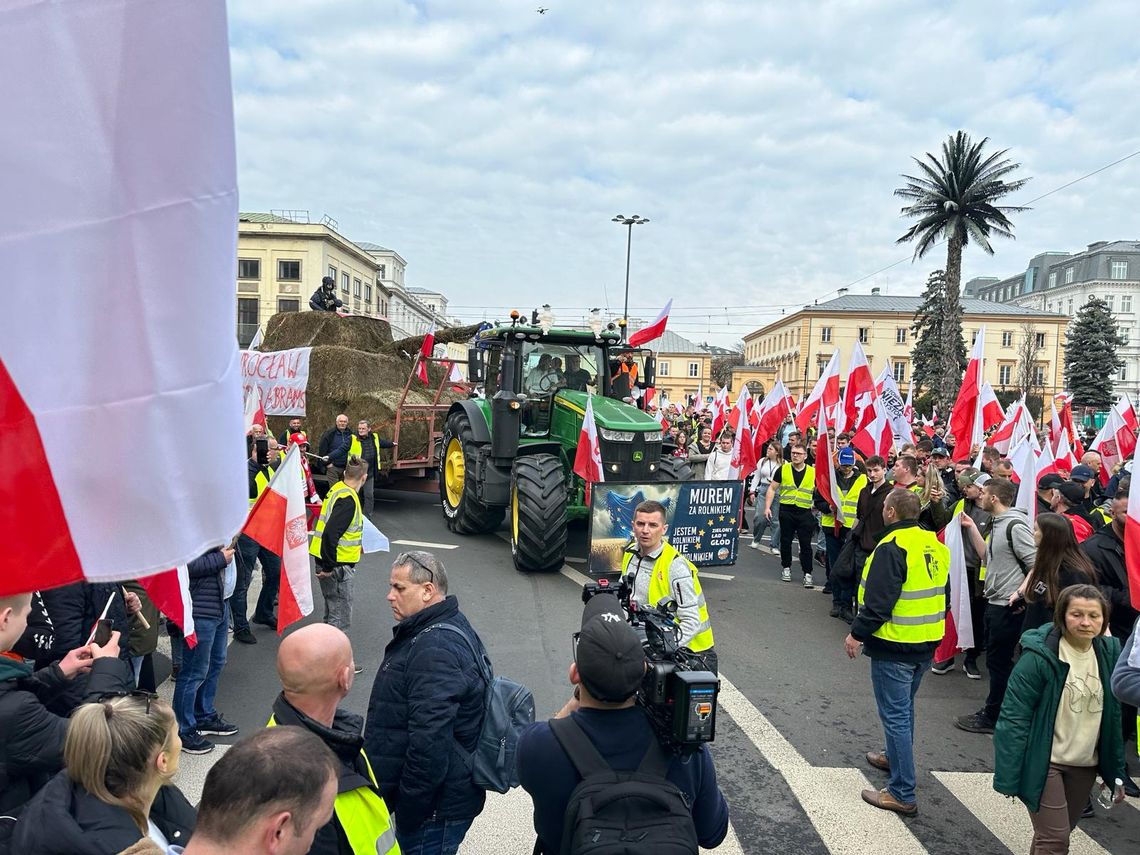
<point x="629" y="222"/>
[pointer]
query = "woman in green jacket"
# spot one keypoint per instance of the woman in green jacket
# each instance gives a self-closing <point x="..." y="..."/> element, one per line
<point x="1060" y="724"/>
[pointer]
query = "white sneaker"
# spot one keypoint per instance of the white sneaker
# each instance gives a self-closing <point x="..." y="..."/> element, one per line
<point x="775" y="550"/>
<point x="754" y="544"/>
<point x="786" y="575"/>
<point x="807" y="581"/>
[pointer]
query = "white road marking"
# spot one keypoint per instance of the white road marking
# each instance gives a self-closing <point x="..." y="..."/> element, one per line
<point x="721" y="576"/>
<point x="1007" y="819"/>
<point x="574" y="576"/>
<point x="572" y="560"/>
<point x="427" y="544"/>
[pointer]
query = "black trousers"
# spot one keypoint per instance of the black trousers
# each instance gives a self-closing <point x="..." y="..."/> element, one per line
<point x="1003" y="631"/>
<point x="796" y="523"/>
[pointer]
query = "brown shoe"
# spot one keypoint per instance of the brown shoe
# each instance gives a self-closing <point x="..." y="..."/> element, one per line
<point x="885" y="801"/>
<point x="879" y="760"/>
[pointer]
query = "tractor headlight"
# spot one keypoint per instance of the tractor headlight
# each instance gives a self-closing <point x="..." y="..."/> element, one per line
<point x="616" y="435"/>
<point x="652" y="436"/>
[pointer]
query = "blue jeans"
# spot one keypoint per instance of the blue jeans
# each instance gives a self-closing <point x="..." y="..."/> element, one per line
<point x="197" y="682"/>
<point x="248" y="552"/>
<point x="895" y="685"/>
<point x="434" y="837"/>
<point x="760" y="525"/>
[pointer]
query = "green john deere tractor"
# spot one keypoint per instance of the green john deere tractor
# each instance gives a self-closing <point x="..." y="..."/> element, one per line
<point x="512" y="452"/>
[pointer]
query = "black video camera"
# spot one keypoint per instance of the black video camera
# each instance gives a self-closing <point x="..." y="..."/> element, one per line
<point x="679" y="691"/>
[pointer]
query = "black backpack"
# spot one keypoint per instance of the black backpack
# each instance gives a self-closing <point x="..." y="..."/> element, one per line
<point x="622" y="813"/>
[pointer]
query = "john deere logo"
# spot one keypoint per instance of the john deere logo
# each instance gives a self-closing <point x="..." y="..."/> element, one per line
<point x="637" y="455"/>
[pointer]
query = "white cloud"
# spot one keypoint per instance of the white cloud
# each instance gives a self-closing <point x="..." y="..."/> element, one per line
<point x="490" y="145"/>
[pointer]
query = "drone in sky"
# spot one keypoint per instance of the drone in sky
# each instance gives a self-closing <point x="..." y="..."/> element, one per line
<point x="542" y="10"/>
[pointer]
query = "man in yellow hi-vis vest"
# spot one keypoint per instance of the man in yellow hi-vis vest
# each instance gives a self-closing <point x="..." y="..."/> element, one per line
<point x="337" y="542"/>
<point x="658" y="573"/>
<point x="316" y="668"/>
<point x="903" y="597"/>
<point x="794" y="483"/>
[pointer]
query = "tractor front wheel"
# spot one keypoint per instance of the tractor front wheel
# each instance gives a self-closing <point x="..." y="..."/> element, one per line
<point x="538" y="513"/>
<point x="673" y="469"/>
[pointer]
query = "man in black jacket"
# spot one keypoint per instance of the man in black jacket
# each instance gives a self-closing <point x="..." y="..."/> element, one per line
<point x="324" y="299"/>
<point x="334" y="447"/>
<point x="31" y="737"/>
<point x="316" y="668"/>
<point x="426" y="705"/>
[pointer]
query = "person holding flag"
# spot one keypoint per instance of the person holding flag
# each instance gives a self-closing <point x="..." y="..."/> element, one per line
<point x="337" y="543"/>
<point x="794" y="483"/>
<point x="848" y="484"/>
<point x="249" y="552"/>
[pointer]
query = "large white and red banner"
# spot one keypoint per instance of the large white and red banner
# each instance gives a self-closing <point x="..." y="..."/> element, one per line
<point x="281" y="375"/>
<point x="120" y="382"/>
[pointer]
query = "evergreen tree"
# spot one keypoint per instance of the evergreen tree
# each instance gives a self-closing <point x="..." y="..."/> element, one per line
<point x="1091" y="358"/>
<point x="931" y="368"/>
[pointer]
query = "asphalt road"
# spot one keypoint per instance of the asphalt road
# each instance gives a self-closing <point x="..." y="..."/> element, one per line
<point x="796" y="715"/>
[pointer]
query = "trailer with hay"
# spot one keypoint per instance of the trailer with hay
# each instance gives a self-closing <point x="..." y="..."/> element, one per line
<point x="357" y="369"/>
<point x="511" y="452"/>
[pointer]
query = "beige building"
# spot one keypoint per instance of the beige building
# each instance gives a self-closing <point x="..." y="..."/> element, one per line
<point x="760" y="378"/>
<point x="281" y="260"/>
<point x="682" y="367"/>
<point x="799" y="346"/>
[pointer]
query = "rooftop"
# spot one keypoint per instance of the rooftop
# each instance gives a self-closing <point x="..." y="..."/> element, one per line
<point x="371" y="247"/>
<point x="256" y="217"/>
<point x="908" y="305"/>
<point x="670" y="342"/>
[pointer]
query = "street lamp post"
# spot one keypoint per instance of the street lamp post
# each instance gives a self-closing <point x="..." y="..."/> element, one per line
<point x="629" y="222"/>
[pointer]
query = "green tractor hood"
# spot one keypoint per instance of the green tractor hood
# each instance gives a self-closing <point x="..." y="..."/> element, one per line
<point x="608" y="413"/>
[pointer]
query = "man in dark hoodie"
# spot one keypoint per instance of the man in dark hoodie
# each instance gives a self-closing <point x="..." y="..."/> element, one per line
<point x="316" y="668"/>
<point x="31" y="737"/>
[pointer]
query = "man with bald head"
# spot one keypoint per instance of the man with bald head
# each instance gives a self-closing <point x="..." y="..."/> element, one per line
<point x="316" y="669"/>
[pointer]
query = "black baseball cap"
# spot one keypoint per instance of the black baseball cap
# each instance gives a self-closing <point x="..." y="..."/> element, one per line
<point x="1050" y="480"/>
<point x="609" y="655"/>
<point x="1082" y="473"/>
<point x="1073" y="494"/>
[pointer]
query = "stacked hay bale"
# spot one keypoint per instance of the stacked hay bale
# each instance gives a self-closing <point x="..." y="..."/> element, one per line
<point x="355" y="368"/>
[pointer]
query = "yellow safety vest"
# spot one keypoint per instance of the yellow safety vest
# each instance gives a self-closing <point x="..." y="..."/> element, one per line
<point x="919" y="614"/>
<point x="363" y="816"/>
<point x="849" y="501"/>
<point x="348" y="549"/>
<point x="659" y="590"/>
<point x="262" y="481"/>
<point x="354" y="448"/>
<point x="792" y="495"/>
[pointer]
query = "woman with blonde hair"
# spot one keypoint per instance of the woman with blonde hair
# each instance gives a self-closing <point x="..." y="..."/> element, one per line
<point x="114" y="794"/>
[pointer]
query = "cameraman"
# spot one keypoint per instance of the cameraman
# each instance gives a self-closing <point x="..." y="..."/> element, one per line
<point x="657" y="573"/>
<point x="607" y="671"/>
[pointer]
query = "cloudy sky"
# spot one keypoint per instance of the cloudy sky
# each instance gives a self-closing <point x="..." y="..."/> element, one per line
<point x="490" y="145"/>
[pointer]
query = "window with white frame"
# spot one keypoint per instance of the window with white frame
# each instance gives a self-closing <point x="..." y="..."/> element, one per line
<point x="1004" y="373"/>
<point x="332" y="273"/>
<point x="973" y="337"/>
<point x="1039" y="339"/>
<point x="825" y="335"/>
<point x="1118" y="270"/>
<point x="694" y="369"/>
<point x="1111" y="300"/>
<point x="1049" y="307"/>
<point x="1070" y="272"/>
<point x="1007" y="338"/>
<point x="1126" y="303"/>
<point x="357" y="287"/>
<point x="898" y="369"/>
<point x="1125" y="334"/>
<point x="1038" y="375"/>
<point x="1053" y="279"/>
<point x="1123" y="373"/>
<point x="864" y="335"/>
<point x="663" y="368"/>
<point x="1070" y="305"/>
<point x="900" y="335"/>
<point x="344" y="281"/>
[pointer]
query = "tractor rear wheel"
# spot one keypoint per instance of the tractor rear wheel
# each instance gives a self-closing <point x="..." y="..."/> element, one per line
<point x="464" y="512"/>
<point x="674" y="469"/>
<point x="538" y="513"/>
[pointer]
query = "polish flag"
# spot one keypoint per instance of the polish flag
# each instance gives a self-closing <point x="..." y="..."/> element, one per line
<point x="776" y="406"/>
<point x="720" y="411"/>
<point x="1047" y="463"/>
<point x="895" y="409"/>
<point x="743" y="461"/>
<point x="992" y="413"/>
<point x="588" y="458"/>
<point x="858" y="393"/>
<point x="654" y="331"/>
<point x="254" y="410"/>
<point x="427" y="347"/>
<point x="825" y="480"/>
<point x="277" y="521"/>
<point x="1024" y="460"/>
<point x="120" y="427"/>
<point x="965" y="418"/>
<point x="1065" y="421"/>
<point x="1132" y="547"/>
<point x="908" y="407"/>
<point x="170" y="593"/>
<point x="1127" y="413"/>
<point x="927" y="426"/>
<point x="1115" y="443"/>
<point x="662" y="412"/>
<point x="825" y="393"/>
<point x="877" y="437"/>
<point x="701" y="403"/>
<point x="1064" y="456"/>
<point x="1018" y="426"/>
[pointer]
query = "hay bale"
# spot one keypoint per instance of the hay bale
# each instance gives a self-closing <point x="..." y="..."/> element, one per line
<point x="316" y="329"/>
<point x="447" y="335"/>
<point x="365" y="385"/>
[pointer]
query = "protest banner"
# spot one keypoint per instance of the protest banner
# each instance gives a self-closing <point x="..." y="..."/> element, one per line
<point x="703" y="519"/>
<point x="281" y="375"/>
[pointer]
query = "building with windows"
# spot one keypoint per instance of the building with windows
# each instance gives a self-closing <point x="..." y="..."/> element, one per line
<point x="1061" y="282"/>
<point x="683" y="368"/>
<point x="800" y="345"/>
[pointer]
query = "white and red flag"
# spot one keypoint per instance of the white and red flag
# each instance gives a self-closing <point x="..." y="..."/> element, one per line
<point x="992" y="413"/>
<point x="894" y="408"/>
<point x="966" y="417"/>
<point x="277" y="521"/>
<point x="743" y="461"/>
<point x="877" y="437"/>
<point x="170" y="593"/>
<point x="960" y="614"/>
<point x="1047" y="463"/>
<point x="719" y="411"/>
<point x="825" y="480"/>
<point x="908" y="407"/>
<point x="120" y="421"/>
<point x="1062" y="422"/>
<point x="858" y="393"/>
<point x="588" y="458"/>
<point x="1065" y="459"/>
<point x="777" y="405"/>
<point x="427" y="348"/>
<point x="654" y="331"/>
<point x="1018" y="426"/>
<point x="1024" y="460"/>
<point x="1132" y="546"/>
<point x="1127" y="412"/>
<point x="254" y="409"/>
<point x="825" y="393"/>
<point x="1115" y="443"/>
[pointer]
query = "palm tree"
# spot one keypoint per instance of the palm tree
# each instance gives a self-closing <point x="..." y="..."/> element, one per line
<point x="953" y="200"/>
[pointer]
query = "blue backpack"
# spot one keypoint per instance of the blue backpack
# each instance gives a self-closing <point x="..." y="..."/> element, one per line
<point x="508" y="707"/>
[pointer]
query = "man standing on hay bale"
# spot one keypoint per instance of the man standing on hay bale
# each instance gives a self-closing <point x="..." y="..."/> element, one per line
<point x="334" y="448"/>
<point x="324" y="299"/>
<point x="366" y="445"/>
